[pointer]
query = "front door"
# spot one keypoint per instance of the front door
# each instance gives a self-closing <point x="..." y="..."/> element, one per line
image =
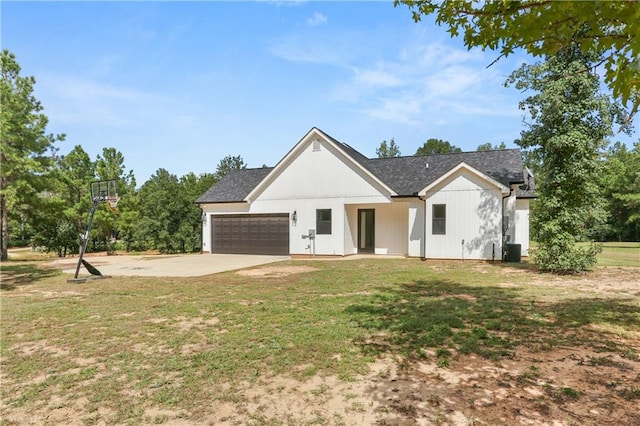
<point x="366" y="230"/>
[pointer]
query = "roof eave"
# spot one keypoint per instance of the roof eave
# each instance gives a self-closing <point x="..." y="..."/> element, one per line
<point x="221" y="202"/>
<point x="503" y="188"/>
<point x="309" y="136"/>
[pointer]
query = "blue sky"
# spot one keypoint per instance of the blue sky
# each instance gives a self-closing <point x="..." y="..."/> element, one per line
<point x="180" y="85"/>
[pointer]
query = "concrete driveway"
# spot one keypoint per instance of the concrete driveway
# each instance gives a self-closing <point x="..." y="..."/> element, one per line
<point x="190" y="265"/>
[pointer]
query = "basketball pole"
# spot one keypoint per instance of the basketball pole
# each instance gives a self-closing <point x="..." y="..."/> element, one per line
<point x="85" y="240"/>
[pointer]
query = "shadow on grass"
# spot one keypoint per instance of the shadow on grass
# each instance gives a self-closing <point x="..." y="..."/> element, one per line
<point x="441" y="316"/>
<point x="12" y="276"/>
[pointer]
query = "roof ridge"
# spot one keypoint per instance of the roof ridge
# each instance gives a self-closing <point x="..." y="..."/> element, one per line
<point x="444" y="153"/>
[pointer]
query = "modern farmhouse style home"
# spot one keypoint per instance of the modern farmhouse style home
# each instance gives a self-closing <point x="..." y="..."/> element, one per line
<point x="326" y="198"/>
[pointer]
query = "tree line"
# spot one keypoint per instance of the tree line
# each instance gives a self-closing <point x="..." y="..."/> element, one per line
<point x="160" y="215"/>
<point x="587" y="189"/>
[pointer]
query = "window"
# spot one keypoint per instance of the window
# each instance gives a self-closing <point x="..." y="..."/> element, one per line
<point x="323" y="221"/>
<point x="439" y="219"/>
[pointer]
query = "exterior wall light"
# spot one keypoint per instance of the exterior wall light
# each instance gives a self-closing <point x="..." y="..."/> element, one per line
<point x="294" y="218"/>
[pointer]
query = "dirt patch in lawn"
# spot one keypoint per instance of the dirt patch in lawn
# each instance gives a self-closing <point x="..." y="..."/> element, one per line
<point x="609" y="281"/>
<point x="560" y="387"/>
<point x="275" y="271"/>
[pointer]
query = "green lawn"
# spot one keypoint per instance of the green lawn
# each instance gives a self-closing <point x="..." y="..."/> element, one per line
<point x="180" y="343"/>
<point x="616" y="254"/>
<point x="620" y="254"/>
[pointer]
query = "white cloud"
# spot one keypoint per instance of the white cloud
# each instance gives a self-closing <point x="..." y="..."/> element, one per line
<point x="376" y="78"/>
<point x="314" y="53"/>
<point x="424" y="82"/>
<point x="317" y="19"/>
<point x="75" y="100"/>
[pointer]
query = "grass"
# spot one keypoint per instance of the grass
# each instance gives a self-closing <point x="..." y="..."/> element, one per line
<point x="620" y="254"/>
<point x="127" y="344"/>
<point x="615" y="253"/>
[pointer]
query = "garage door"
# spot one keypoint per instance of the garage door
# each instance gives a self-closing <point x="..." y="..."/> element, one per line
<point x="251" y="234"/>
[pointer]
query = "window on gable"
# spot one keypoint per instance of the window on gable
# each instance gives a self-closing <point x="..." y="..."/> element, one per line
<point x="439" y="219"/>
<point x="323" y="221"/>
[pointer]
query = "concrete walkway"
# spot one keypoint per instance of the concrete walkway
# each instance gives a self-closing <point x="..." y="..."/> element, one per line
<point x="191" y="265"/>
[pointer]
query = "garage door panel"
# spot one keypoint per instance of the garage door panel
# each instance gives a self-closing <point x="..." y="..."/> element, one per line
<point x="251" y="234"/>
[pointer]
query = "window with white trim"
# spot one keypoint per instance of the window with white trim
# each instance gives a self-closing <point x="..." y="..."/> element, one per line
<point x="323" y="221"/>
<point x="439" y="219"/>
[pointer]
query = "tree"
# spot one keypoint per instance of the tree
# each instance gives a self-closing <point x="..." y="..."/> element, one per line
<point x="544" y="28"/>
<point x="229" y="163"/>
<point x="110" y="165"/>
<point x="73" y="174"/>
<point x="388" y="150"/>
<point x="189" y="234"/>
<point x="161" y="211"/>
<point x="53" y="230"/>
<point x="568" y="125"/>
<point x="620" y="182"/>
<point x="24" y="144"/>
<point x="488" y="147"/>
<point x="437" y="146"/>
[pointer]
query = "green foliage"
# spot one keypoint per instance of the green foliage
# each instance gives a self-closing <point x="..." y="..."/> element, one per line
<point x="561" y="255"/>
<point x="568" y="123"/>
<point x="229" y="163"/>
<point x="160" y="211"/>
<point x="53" y="230"/>
<point x="23" y="146"/>
<point x="620" y="183"/>
<point x="542" y="28"/>
<point x="70" y="178"/>
<point x="489" y="147"/>
<point x="169" y="220"/>
<point x="388" y="150"/>
<point x="110" y="165"/>
<point x="436" y="146"/>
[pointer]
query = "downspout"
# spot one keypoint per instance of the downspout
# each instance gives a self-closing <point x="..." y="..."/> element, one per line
<point x="502" y="222"/>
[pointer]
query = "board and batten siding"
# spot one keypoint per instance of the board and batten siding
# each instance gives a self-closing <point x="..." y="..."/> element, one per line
<point x="416" y="221"/>
<point x="522" y="225"/>
<point x="322" y="173"/>
<point x="317" y="177"/>
<point x="473" y="218"/>
<point x="390" y="232"/>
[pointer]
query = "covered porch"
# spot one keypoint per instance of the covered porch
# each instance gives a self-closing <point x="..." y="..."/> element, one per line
<point x="378" y="229"/>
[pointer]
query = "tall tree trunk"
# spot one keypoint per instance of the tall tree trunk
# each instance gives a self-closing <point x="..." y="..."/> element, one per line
<point x="4" y="254"/>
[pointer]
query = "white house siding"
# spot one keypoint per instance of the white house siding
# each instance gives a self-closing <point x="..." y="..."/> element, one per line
<point x="510" y="212"/>
<point x="473" y="218"/>
<point x="391" y="224"/>
<point x="415" y="223"/>
<point x="318" y="179"/>
<point x="522" y="225"/>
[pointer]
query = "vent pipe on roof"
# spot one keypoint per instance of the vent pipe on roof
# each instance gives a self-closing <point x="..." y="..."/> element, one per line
<point x="426" y="165"/>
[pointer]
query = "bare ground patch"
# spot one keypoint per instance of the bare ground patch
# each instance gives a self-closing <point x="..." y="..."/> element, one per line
<point x="276" y="271"/>
<point x="611" y="281"/>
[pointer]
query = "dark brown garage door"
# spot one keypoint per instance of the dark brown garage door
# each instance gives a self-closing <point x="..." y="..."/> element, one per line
<point x="251" y="234"/>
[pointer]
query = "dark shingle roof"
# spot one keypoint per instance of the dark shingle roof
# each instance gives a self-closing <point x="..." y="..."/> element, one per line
<point x="528" y="188"/>
<point x="235" y="186"/>
<point x="409" y="175"/>
<point x="406" y="176"/>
